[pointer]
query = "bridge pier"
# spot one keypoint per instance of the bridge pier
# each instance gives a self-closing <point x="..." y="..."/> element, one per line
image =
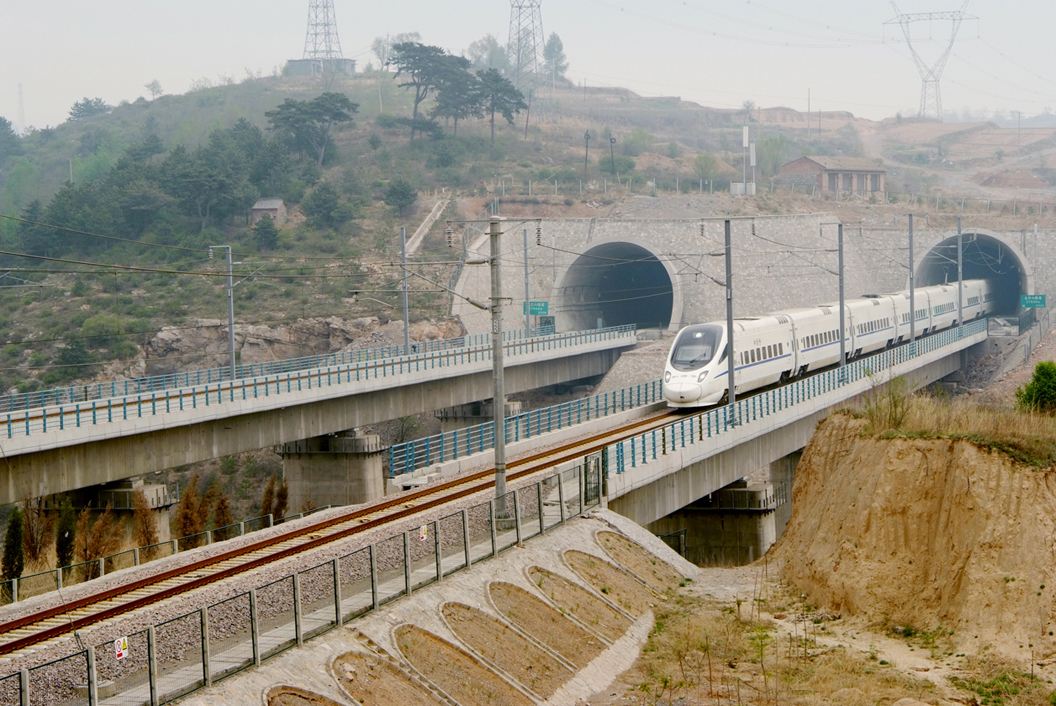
<point x="335" y="469"/>
<point x="738" y="523"/>
<point x="473" y="413"/>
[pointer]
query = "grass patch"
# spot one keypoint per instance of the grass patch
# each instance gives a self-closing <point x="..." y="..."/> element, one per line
<point x="1026" y="437"/>
<point x="702" y="652"/>
<point x="996" y="682"/>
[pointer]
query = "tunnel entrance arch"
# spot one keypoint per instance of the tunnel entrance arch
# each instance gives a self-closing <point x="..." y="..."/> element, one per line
<point x="615" y="284"/>
<point x="985" y="256"/>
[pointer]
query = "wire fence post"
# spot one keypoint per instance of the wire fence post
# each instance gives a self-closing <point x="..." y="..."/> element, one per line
<point x="374" y="577"/>
<point x="254" y="626"/>
<point x="338" y="618"/>
<point x="152" y="665"/>
<point x="465" y="535"/>
<point x="437" y="551"/>
<point x="93" y="684"/>
<point x="517" y="517"/>
<point x="206" y="672"/>
<point x="494" y="532"/>
<point x="23" y="687"/>
<point x="407" y="561"/>
<point x="298" y="628"/>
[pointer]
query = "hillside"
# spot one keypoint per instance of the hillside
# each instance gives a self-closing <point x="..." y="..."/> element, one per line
<point x="178" y="174"/>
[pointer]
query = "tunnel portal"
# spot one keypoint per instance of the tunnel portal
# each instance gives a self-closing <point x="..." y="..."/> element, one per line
<point x="984" y="257"/>
<point x="615" y="284"/>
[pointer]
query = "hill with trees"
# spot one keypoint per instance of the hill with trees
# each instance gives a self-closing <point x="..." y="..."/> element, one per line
<point x="117" y="207"/>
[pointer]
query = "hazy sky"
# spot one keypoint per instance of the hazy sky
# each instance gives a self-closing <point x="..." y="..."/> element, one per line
<point x="716" y="53"/>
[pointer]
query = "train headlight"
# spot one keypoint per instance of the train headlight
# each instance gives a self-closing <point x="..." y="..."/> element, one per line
<point x="700" y="378"/>
<point x="667" y="376"/>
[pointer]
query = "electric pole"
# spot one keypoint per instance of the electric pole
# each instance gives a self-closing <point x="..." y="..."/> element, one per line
<point x="230" y="304"/>
<point x="912" y="295"/>
<point x="843" y="307"/>
<point x="731" y="366"/>
<point x="499" y="398"/>
<point x="586" y="154"/>
<point x="612" y="156"/>
<point x="403" y="288"/>
<point x="960" y="278"/>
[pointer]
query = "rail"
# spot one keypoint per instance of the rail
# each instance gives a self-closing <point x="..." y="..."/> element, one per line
<point x="28" y="585"/>
<point x="409" y="456"/>
<point x="72" y="394"/>
<point x="201" y="647"/>
<point x="628" y="454"/>
<point x="136" y="406"/>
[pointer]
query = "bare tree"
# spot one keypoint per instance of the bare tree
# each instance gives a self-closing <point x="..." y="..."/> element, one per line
<point x="37" y="525"/>
<point x="155" y="89"/>
<point x="190" y="522"/>
<point x="144" y="524"/>
<point x="97" y="539"/>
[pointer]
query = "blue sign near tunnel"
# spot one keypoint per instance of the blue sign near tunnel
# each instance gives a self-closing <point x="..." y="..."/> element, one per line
<point x="1032" y="301"/>
<point x="537" y="307"/>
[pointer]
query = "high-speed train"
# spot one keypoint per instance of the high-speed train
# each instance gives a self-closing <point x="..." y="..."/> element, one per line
<point x="784" y="345"/>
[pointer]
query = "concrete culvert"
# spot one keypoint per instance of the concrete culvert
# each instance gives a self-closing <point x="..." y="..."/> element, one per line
<point x="615" y="284"/>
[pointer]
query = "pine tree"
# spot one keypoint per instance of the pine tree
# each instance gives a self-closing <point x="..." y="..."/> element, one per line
<point x="189" y="521"/>
<point x="266" y="234"/>
<point x="144" y="525"/>
<point x="222" y="518"/>
<point x="269" y="496"/>
<point x="282" y="496"/>
<point x="65" y="534"/>
<point x="97" y="539"/>
<point x="13" y="560"/>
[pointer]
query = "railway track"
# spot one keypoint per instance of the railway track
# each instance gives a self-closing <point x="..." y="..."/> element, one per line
<point x="55" y="622"/>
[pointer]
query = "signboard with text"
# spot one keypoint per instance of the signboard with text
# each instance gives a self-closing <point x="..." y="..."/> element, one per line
<point x="537" y="307"/>
<point x="1032" y="301"/>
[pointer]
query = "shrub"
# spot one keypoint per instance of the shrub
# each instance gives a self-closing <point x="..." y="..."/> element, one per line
<point x="1039" y="395"/>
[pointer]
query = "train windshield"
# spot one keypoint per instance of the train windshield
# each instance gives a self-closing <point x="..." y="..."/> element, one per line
<point x="696" y="346"/>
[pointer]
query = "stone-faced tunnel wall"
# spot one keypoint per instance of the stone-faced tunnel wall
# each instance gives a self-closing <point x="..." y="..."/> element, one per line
<point x="778" y="262"/>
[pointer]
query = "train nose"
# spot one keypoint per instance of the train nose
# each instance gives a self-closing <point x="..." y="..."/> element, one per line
<point x="682" y="391"/>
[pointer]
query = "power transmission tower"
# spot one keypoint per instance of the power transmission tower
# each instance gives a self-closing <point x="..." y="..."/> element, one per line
<point x="525" y="45"/>
<point x="930" y="74"/>
<point x="321" y="41"/>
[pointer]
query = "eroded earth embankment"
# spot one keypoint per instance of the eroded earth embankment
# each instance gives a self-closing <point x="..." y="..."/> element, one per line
<point x="926" y="533"/>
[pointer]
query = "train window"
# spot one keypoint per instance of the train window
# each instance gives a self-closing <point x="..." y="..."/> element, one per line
<point x="780" y="348"/>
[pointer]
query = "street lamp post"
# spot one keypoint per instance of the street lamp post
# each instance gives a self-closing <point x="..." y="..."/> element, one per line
<point x="230" y="304"/>
<point x="612" y="156"/>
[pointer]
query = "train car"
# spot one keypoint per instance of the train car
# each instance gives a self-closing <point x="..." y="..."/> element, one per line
<point x="787" y="344"/>
<point x="817" y="337"/>
<point x="697" y="369"/>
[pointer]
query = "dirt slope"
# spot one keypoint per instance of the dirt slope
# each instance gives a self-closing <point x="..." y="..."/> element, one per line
<point x="926" y="533"/>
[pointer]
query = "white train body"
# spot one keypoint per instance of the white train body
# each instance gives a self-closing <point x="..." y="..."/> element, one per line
<point x="787" y="344"/>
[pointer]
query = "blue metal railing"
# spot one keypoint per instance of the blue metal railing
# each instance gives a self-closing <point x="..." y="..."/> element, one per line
<point x="72" y="394"/>
<point x="448" y="446"/>
<point x="700" y="428"/>
<point x="105" y="410"/>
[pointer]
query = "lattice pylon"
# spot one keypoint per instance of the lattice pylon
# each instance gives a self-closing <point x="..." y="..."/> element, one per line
<point x="525" y="46"/>
<point x="321" y="40"/>
<point x="930" y="74"/>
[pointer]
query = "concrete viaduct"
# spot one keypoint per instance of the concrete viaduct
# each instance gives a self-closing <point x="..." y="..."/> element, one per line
<point x="57" y="449"/>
